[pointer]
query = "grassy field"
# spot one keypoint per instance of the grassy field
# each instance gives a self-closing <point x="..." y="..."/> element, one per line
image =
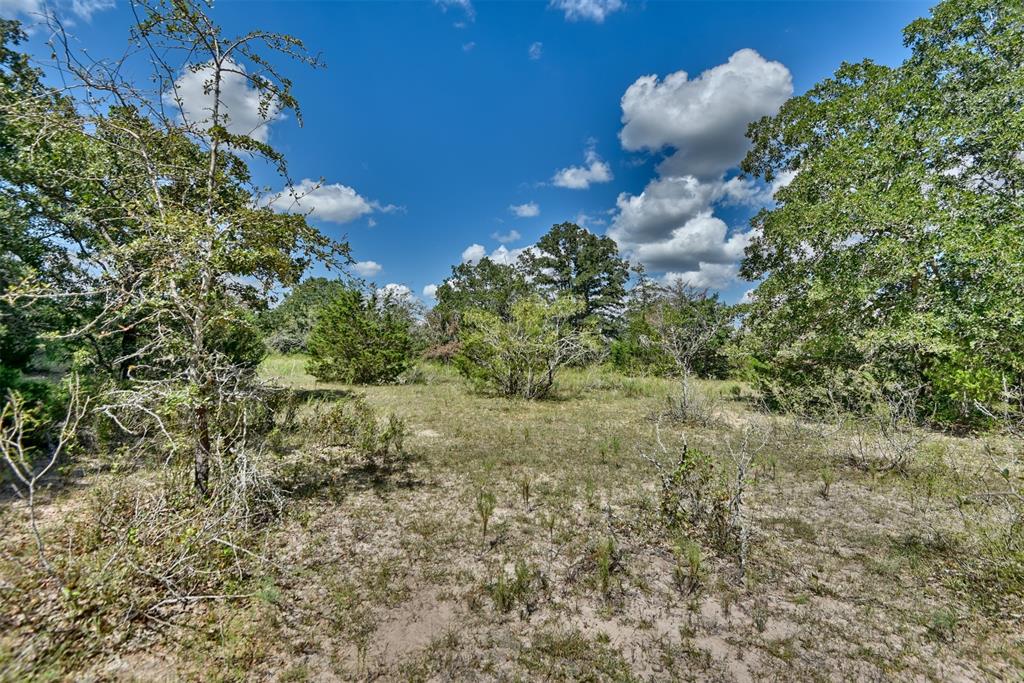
<point x="851" y="573"/>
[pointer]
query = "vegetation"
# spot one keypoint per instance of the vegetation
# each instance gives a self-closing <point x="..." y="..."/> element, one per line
<point x="360" y="339"/>
<point x="182" y="505"/>
<point x="519" y="357"/>
<point x="894" y="250"/>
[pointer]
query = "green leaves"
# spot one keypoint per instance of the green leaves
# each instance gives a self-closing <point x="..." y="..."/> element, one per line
<point x="898" y="243"/>
<point x="360" y="339"/>
<point x="572" y="261"/>
<point x="519" y="357"/>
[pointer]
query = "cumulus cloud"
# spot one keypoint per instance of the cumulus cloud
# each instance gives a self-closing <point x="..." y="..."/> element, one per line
<point x="333" y="202"/>
<point x="585" y="220"/>
<point x="367" y="268"/>
<point x="535" y="50"/>
<point x="468" y="47"/>
<point x="244" y="109"/>
<point x="702" y="239"/>
<point x="475" y="252"/>
<point x="703" y="119"/>
<point x="587" y="10"/>
<point x="670" y="226"/>
<point x="508" y="237"/>
<point x="708" y="275"/>
<point x="581" y="177"/>
<point x="430" y="291"/>
<point x="527" y="210"/>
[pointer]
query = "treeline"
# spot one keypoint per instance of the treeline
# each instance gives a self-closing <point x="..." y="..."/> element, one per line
<point x="565" y="301"/>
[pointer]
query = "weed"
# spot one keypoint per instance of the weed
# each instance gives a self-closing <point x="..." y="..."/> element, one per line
<point x="606" y="561"/>
<point x="521" y="589"/>
<point x="524" y="489"/>
<point x="942" y="624"/>
<point x="688" y="570"/>
<point x="485" y="502"/>
<point x="828" y="477"/>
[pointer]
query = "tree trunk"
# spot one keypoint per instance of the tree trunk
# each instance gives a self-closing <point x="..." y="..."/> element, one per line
<point x="202" y="453"/>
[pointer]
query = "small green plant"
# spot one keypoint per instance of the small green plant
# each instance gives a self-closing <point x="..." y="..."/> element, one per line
<point x="485" y="502"/>
<point x="521" y="589"/>
<point x="525" y="482"/>
<point x="828" y="477"/>
<point x="354" y="424"/>
<point x="606" y="561"/>
<point x="942" y="624"/>
<point x="688" y="571"/>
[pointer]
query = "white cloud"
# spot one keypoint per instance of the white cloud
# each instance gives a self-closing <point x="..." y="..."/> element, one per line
<point x="528" y="210"/>
<point x="782" y="180"/>
<point x="465" y="5"/>
<point x="367" y="268"/>
<point x="28" y="7"/>
<point x="670" y="226"/>
<point x="580" y="177"/>
<point x="587" y="10"/>
<point x="473" y="253"/>
<point x="38" y="9"/>
<point x="510" y="236"/>
<point x="398" y="293"/>
<point x="704" y="119"/>
<point x="535" y="50"/>
<point x="468" y="47"/>
<point x="330" y="202"/>
<point x="707" y="275"/>
<point x="585" y="220"/>
<point x="702" y="239"/>
<point x="86" y="8"/>
<point x="430" y="291"/>
<point x="244" y="108"/>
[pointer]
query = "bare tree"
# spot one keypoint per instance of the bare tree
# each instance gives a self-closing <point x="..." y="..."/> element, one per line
<point x="27" y="464"/>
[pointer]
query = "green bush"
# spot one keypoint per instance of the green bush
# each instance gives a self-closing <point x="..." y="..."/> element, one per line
<point x="519" y="357"/>
<point x="360" y="339"/>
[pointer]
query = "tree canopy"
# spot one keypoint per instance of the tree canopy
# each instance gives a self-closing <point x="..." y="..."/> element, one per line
<point x="896" y="248"/>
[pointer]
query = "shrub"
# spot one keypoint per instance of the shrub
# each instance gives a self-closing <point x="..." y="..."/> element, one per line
<point x="519" y="357"/>
<point x="354" y="424"/>
<point x="360" y="339"/>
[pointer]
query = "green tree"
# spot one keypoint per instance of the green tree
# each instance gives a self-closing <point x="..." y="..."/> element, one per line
<point x="572" y="261"/>
<point x="485" y="285"/>
<point x="171" y="247"/>
<point x="361" y="339"/>
<point x="675" y="330"/>
<point x="896" y="249"/>
<point x="519" y="356"/>
<point x="288" y="325"/>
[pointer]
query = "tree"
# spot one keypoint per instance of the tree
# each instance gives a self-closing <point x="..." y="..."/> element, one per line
<point x="288" y="325"/>
<point x="895" y="251"/>
<point x="361" y="339"/>
<point x="171" y="245"/>
<point x="572" y="261"/>
<point x="675" y="329"/>
<point x="485" y="285"/>
<point x="519" y="356"/>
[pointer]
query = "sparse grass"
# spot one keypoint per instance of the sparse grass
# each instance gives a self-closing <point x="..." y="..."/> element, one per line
<point x="377" y="574"/>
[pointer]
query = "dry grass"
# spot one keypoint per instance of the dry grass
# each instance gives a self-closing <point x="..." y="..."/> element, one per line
<point x="390" y="575"/>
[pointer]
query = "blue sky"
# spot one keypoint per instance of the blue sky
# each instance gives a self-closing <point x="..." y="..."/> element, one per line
<point x="432" y="120"/>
